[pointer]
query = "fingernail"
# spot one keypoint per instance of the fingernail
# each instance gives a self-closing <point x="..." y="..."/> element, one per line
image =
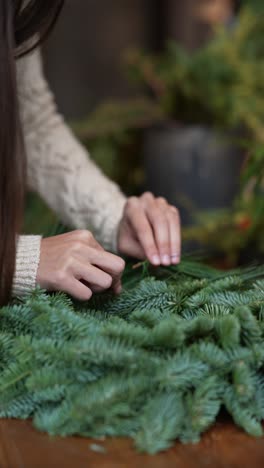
<point x="156" y="260"/>
<point x="175" y="259"/>
<point x="166" y="260"/>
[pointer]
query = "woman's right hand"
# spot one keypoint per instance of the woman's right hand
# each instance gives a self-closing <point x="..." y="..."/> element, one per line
<point x="77" y="264"/>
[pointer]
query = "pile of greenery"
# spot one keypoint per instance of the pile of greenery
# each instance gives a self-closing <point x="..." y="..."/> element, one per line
<point x="156" y="364"/>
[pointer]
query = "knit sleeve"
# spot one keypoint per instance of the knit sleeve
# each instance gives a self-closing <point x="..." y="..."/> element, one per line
<point x="59" y="167"/>
<point x="27" y="261"/>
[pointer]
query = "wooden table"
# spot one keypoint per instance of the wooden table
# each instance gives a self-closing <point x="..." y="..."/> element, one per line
<point x="224" y="446"/>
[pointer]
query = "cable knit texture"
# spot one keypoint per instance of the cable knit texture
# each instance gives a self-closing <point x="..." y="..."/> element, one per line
<point x="27" y="261"/>
<point x="61" y="171"/>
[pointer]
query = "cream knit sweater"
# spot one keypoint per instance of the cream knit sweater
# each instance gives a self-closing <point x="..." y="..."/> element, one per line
<point x="60" y="170"/>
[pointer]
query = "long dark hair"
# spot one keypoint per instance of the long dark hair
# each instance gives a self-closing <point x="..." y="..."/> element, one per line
<point x="23" y="25"/>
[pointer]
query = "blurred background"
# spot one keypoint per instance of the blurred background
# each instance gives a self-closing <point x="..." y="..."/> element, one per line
<point x="92" y="38"/>
<point x="168" y="96"/>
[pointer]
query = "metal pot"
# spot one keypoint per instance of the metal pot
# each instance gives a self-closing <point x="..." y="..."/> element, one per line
<point x="192" y="166"/>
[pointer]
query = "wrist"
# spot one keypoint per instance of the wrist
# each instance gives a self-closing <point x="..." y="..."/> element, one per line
<point x="27" y="262"/>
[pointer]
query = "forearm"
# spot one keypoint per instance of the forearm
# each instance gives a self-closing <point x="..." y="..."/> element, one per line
<point x="59" y="167"/>
<point x="73" y="186"/>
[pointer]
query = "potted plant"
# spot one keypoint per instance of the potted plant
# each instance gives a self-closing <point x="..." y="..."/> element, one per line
<point x="237" y="232"/>
<point x="212" y="98"/>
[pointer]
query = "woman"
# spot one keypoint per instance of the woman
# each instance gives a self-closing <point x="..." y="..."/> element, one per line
<point x="60" y="170"/>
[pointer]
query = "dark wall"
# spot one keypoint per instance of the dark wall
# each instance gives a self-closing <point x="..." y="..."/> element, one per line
<point x="83" y="57"/>
<point x="182" y="24"/>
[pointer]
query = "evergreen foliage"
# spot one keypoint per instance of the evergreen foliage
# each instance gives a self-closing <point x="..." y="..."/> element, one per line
<point x="156" y="364"/>
<point x="219" y="84"/>
<point x="243" y="223"/>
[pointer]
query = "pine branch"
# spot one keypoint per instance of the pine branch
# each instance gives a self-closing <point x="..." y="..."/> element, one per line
<point x="155" y="364"/>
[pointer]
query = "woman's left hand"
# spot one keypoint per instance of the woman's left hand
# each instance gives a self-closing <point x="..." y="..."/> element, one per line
<point x="150" y="228"/>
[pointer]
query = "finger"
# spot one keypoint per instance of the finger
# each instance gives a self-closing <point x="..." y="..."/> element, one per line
<point x="117" y="288"/>
<point x="147" y="197"/>
<point x="175" y="234"/>
<point x="76" y="289"/>
<point x="80" y="236"/>
<point x="106" y="261"/>
<point x="109" y="262"/>
<point x="159" y="222"/>
<point x="94" y="243"/>
<point x="143" y="230"/>
<point x="97" y="279"/>
<point x="87" y="238"/>
<point x="135" y="249"/>
<point x="97" y="256"/>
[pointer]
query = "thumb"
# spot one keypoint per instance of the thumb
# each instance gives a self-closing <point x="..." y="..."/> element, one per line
<point x="134" y="249"/>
